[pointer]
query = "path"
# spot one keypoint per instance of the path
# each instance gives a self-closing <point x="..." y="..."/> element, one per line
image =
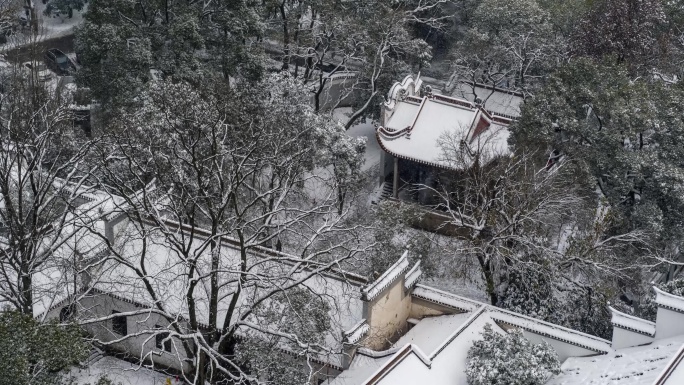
<point x="28" y="52"/>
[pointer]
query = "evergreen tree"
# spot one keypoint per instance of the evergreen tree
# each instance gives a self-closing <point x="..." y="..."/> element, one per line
<point x="632" y="31"/>
<point x="510" y="359"/>
<point x="121" y="41"/>
<point x="621" y="135"/>
<point x="510" y="44"/>
<point x="34" y="354"/>
<point x="649" y="309"/>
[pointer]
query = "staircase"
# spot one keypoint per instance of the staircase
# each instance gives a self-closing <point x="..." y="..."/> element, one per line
<point x="95" y="355"/>
<point x="386" y="191"/>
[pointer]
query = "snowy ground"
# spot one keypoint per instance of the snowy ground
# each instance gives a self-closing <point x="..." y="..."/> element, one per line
<point x="365" y="129"/>
<point x="48" y="27"/>
<point x="120" y="372"/>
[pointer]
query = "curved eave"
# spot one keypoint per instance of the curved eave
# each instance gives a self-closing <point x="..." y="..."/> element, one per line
<point x="378" y="137"/>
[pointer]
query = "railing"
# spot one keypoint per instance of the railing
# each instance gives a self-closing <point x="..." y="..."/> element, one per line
<point x="343" y="75"/>
<point x="453" y="101"/>
<point x="413" y="99"/>
<point x="503" y="117"/>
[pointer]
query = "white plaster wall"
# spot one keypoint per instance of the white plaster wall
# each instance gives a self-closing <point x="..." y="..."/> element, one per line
<point x="421" y="309"/>
<point x="668" y="323"/>
<point x="102" y="305"/>
<point x="623" y="338"/>
<point x="387" y="316"/>
<point x="563" y="349"/>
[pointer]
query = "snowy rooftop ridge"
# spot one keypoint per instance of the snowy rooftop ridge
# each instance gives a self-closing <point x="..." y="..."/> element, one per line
<point x="443" y="298"/>
<point x="669" y="301"/>
<point x="458" y="331"/>
<point x="399" y="356"/>
<point x="544" y="328"/>
<point x="644" y="364"/>
<point x="530" y="324"/>
<point x="395" y="271"/>
<point x="670" y="368"/>
<point x="263" y="251"/>
<point x="376" y="354"/>
<point x="408" y="86"/>
<point x="357" y="332"/>
<point x="636" y="324"/>
<point x="412" y="276"/>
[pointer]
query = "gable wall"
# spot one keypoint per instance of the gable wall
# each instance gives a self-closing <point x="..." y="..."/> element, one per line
<point x="387" y="315"/>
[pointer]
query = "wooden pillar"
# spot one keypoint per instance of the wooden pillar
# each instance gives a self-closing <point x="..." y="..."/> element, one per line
<point x="395" y="184"/>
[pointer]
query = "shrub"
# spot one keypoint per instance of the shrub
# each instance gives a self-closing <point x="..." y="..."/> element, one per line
<point x="510" y="359"/>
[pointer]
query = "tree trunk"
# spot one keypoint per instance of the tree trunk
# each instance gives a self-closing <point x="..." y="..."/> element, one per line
<point x="340" y="198"/>
<point x="27" y="294"/>
<point x="360" y="111"/>
<point x="31" y="13"/>
<point x="319" y="91"/>
<point x="489" y="279"/>
<point x="286" y="38"/>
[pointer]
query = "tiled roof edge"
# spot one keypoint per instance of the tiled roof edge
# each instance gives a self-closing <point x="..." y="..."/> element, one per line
<point x="395" y="271"/>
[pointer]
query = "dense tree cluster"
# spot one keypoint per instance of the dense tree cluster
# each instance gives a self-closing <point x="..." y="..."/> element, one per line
<point x="601" y="117"/>
<point x="215" y="114"/>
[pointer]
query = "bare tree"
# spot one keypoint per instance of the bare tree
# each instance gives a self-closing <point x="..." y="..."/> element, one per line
<point x="521" y="215"/>
<point x="372" y="39"/>
<point x="43" y="174"/>
<point x="385" y="49"/>
<point x="8" y="14"/>
<point x="220" y="180"/>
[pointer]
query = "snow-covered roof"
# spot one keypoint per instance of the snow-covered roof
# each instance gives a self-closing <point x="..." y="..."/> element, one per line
<point x="547" y="329"/>
<point x="365" y="363"/>
<point x="435" y="350"/>
<point x="357" y="332"/>
<point x="673" y="374"/>
<point x="416" y="129"/>
<point x="431" y="332"/>
<point x="630" y="322"/>
<point x="508" y="317"/>
<point x="495" y="100"/>
<point x="634" y="365"/>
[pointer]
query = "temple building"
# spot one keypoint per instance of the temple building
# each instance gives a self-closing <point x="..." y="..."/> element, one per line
<point x="427" y="137"/>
